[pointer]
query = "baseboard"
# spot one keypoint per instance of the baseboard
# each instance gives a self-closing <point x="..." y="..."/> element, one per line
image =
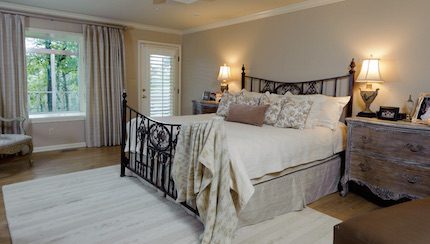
<point x="60" y="147"/>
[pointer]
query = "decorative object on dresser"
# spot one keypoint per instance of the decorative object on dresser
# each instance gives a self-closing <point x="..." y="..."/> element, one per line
<point x="223" y="76"/>
<point x="410" y="108"/>
<point x="422" y="111"/>
<point x="204" y="107"/>
<point x="369" y="74"/>
<point x="390" y="158"/>
<point x="389" y="113"/>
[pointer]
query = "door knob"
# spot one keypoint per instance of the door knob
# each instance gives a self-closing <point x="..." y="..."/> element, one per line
<point x="143" y="97"/>
<point x="143" y="90"/>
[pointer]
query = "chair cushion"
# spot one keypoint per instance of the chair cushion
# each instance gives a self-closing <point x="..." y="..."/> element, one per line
<point x="8" y="140"/>
<point x="402" y="223"/>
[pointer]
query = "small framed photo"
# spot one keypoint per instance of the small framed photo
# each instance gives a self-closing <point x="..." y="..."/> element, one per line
<point x="206" y="96"/>
<point x="389" y="113"/>
<point x="422" y="111"/>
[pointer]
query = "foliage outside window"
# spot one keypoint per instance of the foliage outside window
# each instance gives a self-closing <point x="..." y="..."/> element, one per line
<point x="53" y="75"/>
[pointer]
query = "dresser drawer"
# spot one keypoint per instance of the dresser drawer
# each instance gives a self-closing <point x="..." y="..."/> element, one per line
<point x="400" y="179"/>
<point x="410" y="146"/>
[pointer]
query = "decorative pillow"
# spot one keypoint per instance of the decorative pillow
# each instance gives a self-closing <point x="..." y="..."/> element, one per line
<point x="226" y="100"/>
<point x="293" y="114"/>
<point x="248" y="100"/>
<point x="325" y="111"/>
<point x="275" y="106"/>
<point x="250" y="94"/>
<point x="253" y="115"/>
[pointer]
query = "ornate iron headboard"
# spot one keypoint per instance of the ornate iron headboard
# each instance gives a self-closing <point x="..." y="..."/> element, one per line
<point x="329" y="86"/>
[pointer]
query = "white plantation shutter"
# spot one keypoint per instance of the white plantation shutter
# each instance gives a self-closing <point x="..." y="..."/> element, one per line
<point x="162" y="85"/>
<point x="160" y="72"/>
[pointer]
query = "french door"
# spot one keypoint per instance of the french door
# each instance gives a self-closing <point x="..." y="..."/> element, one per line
<point x="159" y="79"/>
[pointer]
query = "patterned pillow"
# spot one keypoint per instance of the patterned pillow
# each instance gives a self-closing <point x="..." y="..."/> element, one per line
<point x="224" y="105"/>
<point x="248" y="100"/>
<point x="293" y="114"/>
<point x="273" y="110"/>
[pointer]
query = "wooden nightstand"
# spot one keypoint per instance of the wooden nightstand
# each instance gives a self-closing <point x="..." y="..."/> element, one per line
<point x="392" y="159"/>
<point x="204" y="107"/>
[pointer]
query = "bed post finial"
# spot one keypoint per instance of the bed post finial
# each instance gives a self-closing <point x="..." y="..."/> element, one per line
<point x="124" y="94"/>
<point x="243" y="76"/>
<point x="351" y="86"/>
<point x="352" y="66"/>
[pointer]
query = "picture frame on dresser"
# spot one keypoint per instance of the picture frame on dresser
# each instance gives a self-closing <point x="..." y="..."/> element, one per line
<point x="422" y="110"/>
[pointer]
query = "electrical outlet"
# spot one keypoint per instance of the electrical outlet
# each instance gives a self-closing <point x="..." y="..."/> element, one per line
<point x="51" y="131"/>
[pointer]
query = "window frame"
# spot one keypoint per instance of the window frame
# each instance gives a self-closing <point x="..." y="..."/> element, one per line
<point x="61" y="36"/>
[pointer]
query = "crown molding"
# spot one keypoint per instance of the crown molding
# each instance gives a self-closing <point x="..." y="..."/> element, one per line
<point x="264" y="14"/>
<point x="65" y="14"/>
<point x="260" y="15"/>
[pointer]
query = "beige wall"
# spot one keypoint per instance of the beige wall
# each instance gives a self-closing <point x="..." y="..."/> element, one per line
<point x="318" y="43"/>
<point x="132" y="36"/>
<point x="72" y="132"/>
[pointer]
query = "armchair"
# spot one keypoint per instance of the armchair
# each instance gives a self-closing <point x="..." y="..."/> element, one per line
<point x="16" y="144"/>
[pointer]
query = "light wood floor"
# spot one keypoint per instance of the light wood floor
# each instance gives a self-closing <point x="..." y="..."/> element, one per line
<point x="62" y="162"/>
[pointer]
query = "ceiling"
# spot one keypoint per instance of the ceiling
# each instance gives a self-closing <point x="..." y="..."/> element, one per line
<point x="172" y="15"/>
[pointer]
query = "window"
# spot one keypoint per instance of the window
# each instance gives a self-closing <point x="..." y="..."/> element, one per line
<point x="53" y="73"/>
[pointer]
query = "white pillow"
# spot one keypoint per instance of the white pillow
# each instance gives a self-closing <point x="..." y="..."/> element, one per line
<point x="251" y="94"/>
<point x="326" y="111"/>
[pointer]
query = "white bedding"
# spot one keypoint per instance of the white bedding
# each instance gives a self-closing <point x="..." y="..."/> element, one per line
<point x="257" y="151"/>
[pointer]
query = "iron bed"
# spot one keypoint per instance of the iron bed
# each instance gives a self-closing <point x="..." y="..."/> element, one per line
<point x="152" y="160"/>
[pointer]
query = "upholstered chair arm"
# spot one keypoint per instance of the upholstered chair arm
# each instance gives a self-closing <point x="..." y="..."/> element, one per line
<point x="20" y="120"/>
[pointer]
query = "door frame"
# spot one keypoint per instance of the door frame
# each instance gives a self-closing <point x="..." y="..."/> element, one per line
<point x="140" y="75"/>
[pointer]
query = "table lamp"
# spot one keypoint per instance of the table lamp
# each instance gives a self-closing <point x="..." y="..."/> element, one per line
<point x="370" y="73"/>
<point x="223" y="76"/>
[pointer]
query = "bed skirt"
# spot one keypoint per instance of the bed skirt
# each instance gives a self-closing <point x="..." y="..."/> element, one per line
<point x="292" y="191"/>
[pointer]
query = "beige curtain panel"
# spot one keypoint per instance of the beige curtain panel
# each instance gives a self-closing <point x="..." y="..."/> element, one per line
<point x="105" y="67"/>
<point x="13" y="81"/>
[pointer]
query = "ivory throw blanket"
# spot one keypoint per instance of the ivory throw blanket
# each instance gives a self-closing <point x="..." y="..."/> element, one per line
<point x="202" y="170"/>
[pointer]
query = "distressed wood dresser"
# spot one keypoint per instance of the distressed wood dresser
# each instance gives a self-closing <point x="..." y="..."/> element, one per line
<point x="392" y="159"/>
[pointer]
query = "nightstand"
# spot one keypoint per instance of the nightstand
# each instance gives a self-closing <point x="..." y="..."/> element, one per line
<point x="392" y="159"/>
<point x="205" y="107"/>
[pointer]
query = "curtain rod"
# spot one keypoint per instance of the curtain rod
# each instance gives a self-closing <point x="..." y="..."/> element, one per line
<point x="62" y="19"/>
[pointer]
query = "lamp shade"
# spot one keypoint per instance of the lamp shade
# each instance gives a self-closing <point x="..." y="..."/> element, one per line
<point x="370" y="71"/>
<point x="224" y="73"/>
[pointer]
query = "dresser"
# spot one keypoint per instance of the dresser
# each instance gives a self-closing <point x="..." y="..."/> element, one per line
<point x="390" y="158"/>
<point x="205" y="107"/>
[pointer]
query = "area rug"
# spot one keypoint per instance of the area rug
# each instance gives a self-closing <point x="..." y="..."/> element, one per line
<point x="97" y="206"/>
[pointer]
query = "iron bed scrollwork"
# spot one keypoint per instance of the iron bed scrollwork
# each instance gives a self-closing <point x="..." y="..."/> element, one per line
<point x="150" y="155"/>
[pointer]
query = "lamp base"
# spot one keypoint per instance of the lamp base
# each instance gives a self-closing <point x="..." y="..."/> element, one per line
<point x="367" y="114"/>
<point x="224" y="87"/>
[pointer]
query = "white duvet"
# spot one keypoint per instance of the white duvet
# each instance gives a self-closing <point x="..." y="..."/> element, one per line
<point x="257" y="151"/>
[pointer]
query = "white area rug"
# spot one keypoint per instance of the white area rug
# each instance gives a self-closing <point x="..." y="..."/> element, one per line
<point x="97" y="206"/>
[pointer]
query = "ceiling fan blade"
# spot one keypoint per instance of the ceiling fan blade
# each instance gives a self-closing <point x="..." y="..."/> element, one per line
<point x="158" y="1"/>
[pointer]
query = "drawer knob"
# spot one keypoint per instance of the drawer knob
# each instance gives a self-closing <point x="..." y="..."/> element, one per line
<point x="412" y="179"/>
<point x="364" y="167"/>
<point x="414" y="148"/>
<point x="365" y="139"/>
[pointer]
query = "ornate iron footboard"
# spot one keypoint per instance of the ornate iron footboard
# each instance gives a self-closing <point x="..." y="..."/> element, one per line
<point x="149" y="151"/>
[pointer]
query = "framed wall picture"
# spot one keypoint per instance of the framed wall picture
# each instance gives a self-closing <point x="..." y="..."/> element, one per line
<point x="388" y="113"/>
<point x="422" y="111"/>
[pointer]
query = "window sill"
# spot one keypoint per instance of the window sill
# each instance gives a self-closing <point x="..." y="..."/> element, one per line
<point x="56" y="117"/>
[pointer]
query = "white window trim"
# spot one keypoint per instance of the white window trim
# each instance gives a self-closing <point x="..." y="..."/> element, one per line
<point x="62" y="116"/>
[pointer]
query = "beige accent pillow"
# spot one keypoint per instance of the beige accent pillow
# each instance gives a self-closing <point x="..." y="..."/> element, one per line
<point x="246" y="114"/>
<point x="293" y="113"/>
<point x="226" y="100"/>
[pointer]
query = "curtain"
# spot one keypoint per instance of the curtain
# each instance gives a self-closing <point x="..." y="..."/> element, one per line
<point x="13" y="81"/>
<point x="105" y="67"/>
